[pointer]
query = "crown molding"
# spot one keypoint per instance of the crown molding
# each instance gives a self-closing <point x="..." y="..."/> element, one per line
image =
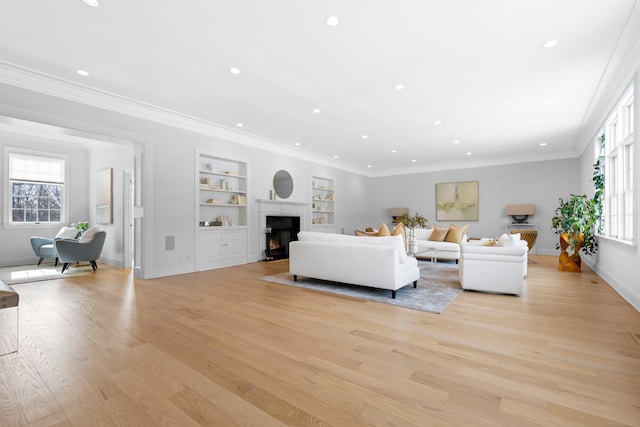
<point x="33" y="80"/>
<point x="479" y="163"/>
<point x="36" y="81"/>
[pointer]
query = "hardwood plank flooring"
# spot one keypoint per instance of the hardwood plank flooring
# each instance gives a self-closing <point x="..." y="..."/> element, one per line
<point x="222" y="347"/>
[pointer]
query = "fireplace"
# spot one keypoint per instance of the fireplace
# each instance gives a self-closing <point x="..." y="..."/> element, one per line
<point x="279" y="231"/>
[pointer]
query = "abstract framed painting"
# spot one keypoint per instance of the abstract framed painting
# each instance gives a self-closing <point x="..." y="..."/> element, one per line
<point x="457" y="201"/>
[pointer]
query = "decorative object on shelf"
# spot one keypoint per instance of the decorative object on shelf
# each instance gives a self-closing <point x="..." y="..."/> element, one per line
<point x="457" y="201"/>
<point x="282" y="184"/>
<point x="411" y="222"/>
<point x="520" y="213"/>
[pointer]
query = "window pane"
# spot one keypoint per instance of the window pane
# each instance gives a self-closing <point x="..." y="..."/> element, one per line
<point x="54" y="216"/>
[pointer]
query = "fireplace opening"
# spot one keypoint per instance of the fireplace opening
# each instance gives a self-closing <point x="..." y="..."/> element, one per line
<point x="279" y="232"/>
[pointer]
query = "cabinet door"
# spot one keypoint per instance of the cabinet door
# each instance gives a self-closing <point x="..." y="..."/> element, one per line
<point x="235" y="243"/>
<point x="211" y="245"/>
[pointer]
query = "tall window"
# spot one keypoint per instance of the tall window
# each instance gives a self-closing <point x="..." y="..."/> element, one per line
<point x="37" y="188"/>
<point x="619" y="173"/>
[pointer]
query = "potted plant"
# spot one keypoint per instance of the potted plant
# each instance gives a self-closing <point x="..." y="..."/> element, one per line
<point x="576" y="222"/>
<point x="411" y="222"/>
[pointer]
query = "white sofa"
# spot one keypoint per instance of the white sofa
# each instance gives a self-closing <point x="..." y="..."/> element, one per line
<point x="378" y="262"/>
<point x="495" y="269"/>
<point x="437" y="250"/>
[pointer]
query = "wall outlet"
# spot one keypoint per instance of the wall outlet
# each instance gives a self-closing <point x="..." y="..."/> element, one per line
<point x="169" y="243"/>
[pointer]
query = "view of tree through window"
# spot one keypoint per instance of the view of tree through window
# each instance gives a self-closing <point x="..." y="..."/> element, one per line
<point x="35" y="202"/>
<point x="37" y="188"/>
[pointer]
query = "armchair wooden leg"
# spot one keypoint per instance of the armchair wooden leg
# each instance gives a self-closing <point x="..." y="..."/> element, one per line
<point x="40" y="260"/>
<point x="56" y="264"/>
<point x="93" y="265"/>
<point x="65" y="266"/>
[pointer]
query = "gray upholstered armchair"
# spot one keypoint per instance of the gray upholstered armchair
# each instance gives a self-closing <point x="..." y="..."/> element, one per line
<point x="87" y="248"/>
<point x="43" y="247"/>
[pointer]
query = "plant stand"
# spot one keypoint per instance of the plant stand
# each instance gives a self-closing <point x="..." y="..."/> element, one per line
<point x="568" y="262"/>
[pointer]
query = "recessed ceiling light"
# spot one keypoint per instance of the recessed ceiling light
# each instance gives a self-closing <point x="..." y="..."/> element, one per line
<point x="393" y="151"/>
<point x="437" y="122"/>
<point x="333" y="21"/>
<point x="468" y="153"/>
<point x="239" y="125"/>
<point x="369" y="166"/>
<point x="413" y="160"/>
<point x="550" y="43"/>
<point x="83" y="73"/>
<point x="94" y="3"/>
<point x="399" y="87"/>
<point x="234" y="70"/>
<point x="543" y="144"/>
<point x="365" y="137"/>
<point x="336" y="156"/>
<point x="457" y="141"/>
<point x="316" y="110"/>
<point x="297" y="144"/>
<point x="546" y="101"/>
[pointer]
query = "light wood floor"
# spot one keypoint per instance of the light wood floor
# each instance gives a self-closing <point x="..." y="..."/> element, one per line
<point x="224" y="348"/>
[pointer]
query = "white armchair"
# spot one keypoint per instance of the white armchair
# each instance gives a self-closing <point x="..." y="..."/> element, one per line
<point x="496" y="269"/>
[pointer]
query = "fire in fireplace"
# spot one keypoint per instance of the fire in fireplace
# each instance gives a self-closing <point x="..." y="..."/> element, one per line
<point x="279" y="232"/>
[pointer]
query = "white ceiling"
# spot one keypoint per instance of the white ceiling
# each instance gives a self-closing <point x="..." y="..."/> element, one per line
<point x="478" y="67"/>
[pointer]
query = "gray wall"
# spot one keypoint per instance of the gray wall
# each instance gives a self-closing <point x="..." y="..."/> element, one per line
<point x="540" y="183"/>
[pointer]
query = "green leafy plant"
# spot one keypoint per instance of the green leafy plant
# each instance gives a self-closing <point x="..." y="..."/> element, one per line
<point x="577" y="216"/>
<point x="416" y="220"/>
<point x="81" y="226"/>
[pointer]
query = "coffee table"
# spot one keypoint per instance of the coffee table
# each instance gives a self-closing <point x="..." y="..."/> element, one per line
<point x="432" y="252"/>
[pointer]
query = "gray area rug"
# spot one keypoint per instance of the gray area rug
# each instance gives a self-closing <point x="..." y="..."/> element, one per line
<point x="33" y="273"/>
<point x="437" y="287"/>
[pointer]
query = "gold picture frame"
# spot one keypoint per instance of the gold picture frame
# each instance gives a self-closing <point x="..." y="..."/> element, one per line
<point x="457" y="201"/>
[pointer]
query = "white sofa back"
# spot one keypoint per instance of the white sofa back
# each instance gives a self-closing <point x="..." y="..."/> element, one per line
<point x="396" y="242"/>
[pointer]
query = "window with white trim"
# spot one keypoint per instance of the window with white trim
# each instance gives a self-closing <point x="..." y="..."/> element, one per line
<point x="618" y="151"/>
<point x="37" y="188"/>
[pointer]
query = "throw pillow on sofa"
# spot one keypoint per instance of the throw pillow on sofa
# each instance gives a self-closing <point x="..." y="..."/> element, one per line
<point x="382" y="231"/>
<point x="438" y="234"/>
<point x="454" y="235"/>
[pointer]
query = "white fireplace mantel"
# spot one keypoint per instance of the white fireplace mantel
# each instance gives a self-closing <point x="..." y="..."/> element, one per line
<point x="268" y="207"/>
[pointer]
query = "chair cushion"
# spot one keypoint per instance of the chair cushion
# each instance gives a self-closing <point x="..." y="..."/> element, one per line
<point x="67" y="233"/>
<point x="88" y="235"/>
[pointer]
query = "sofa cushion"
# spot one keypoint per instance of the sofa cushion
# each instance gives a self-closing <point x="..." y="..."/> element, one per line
<point x="438" y="234"/>
<point x="454" y="235"/>
<point x="390" y="241"/>
<point x="400" y="231"/>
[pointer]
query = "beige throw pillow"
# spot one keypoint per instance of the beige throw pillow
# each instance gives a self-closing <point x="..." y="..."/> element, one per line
<point x="438" y="234"/>
<point x="455" y="233"/>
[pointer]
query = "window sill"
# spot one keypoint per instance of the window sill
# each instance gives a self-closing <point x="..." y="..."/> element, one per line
<point x="621" y="243"/>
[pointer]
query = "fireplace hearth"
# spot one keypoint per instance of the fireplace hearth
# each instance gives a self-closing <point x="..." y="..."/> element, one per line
<point x="279" y="231"/>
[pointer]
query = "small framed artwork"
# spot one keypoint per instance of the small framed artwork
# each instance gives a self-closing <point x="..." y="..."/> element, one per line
<point x="104" y="196"/>
<point x="457" y="201"/>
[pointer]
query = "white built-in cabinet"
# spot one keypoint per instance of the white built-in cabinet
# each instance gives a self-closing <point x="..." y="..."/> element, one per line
<point x="323" y="204"/>
<point x="221" y="224"/>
